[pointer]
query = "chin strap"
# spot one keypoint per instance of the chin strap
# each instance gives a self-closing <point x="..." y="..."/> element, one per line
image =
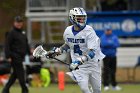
<point x="81" y="27"/>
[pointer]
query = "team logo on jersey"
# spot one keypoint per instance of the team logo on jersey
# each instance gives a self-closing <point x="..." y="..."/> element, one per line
<point x="72" y="40"/>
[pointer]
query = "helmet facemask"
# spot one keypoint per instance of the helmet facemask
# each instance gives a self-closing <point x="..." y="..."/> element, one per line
<point x="80" y="20"/>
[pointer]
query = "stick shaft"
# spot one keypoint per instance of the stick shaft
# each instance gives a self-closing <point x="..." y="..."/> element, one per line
<point x="61" y="61"/>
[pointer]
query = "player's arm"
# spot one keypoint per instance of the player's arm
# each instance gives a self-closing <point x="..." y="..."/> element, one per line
<point x="63" y="49"/>
<point x="82" y="59"/>
<point x="93" y="43"/>
<point x="58" y="51"/>
<point x="86" y="57"/>
<point x="40" y="52"/>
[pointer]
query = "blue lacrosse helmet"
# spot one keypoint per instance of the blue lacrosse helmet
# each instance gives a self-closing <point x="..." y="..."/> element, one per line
<point x="78" y="17"/>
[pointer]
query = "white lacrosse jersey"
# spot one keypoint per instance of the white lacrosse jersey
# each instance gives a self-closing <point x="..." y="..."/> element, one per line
<point x="82" y="42"/>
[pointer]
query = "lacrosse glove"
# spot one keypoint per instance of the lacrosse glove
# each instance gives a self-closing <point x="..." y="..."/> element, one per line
<point x="54" y="52"/>
<point x="74" y="65"/>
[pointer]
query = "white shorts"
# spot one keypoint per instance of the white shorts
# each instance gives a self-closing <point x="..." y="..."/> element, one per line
<point x="91" y="73"/>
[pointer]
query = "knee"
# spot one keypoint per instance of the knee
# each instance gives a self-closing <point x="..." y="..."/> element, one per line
<point x="84" y="88"/>
<point x="97" y="90"/>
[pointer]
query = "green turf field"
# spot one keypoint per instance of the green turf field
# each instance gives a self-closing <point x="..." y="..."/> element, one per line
<point x="73" y="88"/>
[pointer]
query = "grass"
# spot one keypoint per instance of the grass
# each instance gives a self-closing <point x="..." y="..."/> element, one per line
<point x="73" y="88"/>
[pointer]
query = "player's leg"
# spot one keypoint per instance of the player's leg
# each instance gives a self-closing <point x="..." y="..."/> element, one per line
<point x="82" y="78"/>
<point x="84" y="86"/>
<point x="95" y="79"/>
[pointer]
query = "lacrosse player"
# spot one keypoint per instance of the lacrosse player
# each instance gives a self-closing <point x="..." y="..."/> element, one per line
<point x="84" y="46"/>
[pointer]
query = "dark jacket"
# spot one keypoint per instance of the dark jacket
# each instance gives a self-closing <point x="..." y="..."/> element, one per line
<point x="16" y="44"/>
<point x="109" y="44"/>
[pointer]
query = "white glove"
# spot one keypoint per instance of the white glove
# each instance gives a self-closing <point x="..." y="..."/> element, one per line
<point x="82" y="59"/>
<point x="74" y="65"/>
<point x="54" y="52"/>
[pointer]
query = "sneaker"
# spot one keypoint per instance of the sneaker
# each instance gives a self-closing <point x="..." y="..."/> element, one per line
<point x="117" y="88"/>
<point x="106" y="88"/>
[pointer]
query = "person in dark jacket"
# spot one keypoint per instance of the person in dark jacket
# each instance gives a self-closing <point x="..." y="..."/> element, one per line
<point x="109" y="45"/>
<point x="16" y="47"/>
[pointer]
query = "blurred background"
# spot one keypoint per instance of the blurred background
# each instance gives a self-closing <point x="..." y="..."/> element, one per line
<point x="46" y="20"/>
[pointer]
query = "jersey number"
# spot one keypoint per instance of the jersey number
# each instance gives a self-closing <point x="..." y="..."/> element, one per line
<point x="77" y="49"/>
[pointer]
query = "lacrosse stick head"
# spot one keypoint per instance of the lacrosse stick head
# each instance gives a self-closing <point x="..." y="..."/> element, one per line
<point x="39" y="52"/>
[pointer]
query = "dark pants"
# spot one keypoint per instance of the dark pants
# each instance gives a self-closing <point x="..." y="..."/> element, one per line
<point x="109" y="71"/>
<point x="18" y="73"/>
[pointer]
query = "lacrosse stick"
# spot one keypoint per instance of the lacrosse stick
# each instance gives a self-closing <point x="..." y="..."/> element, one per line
<point x="40" y="52"/>
<point x="61" y="61"/>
